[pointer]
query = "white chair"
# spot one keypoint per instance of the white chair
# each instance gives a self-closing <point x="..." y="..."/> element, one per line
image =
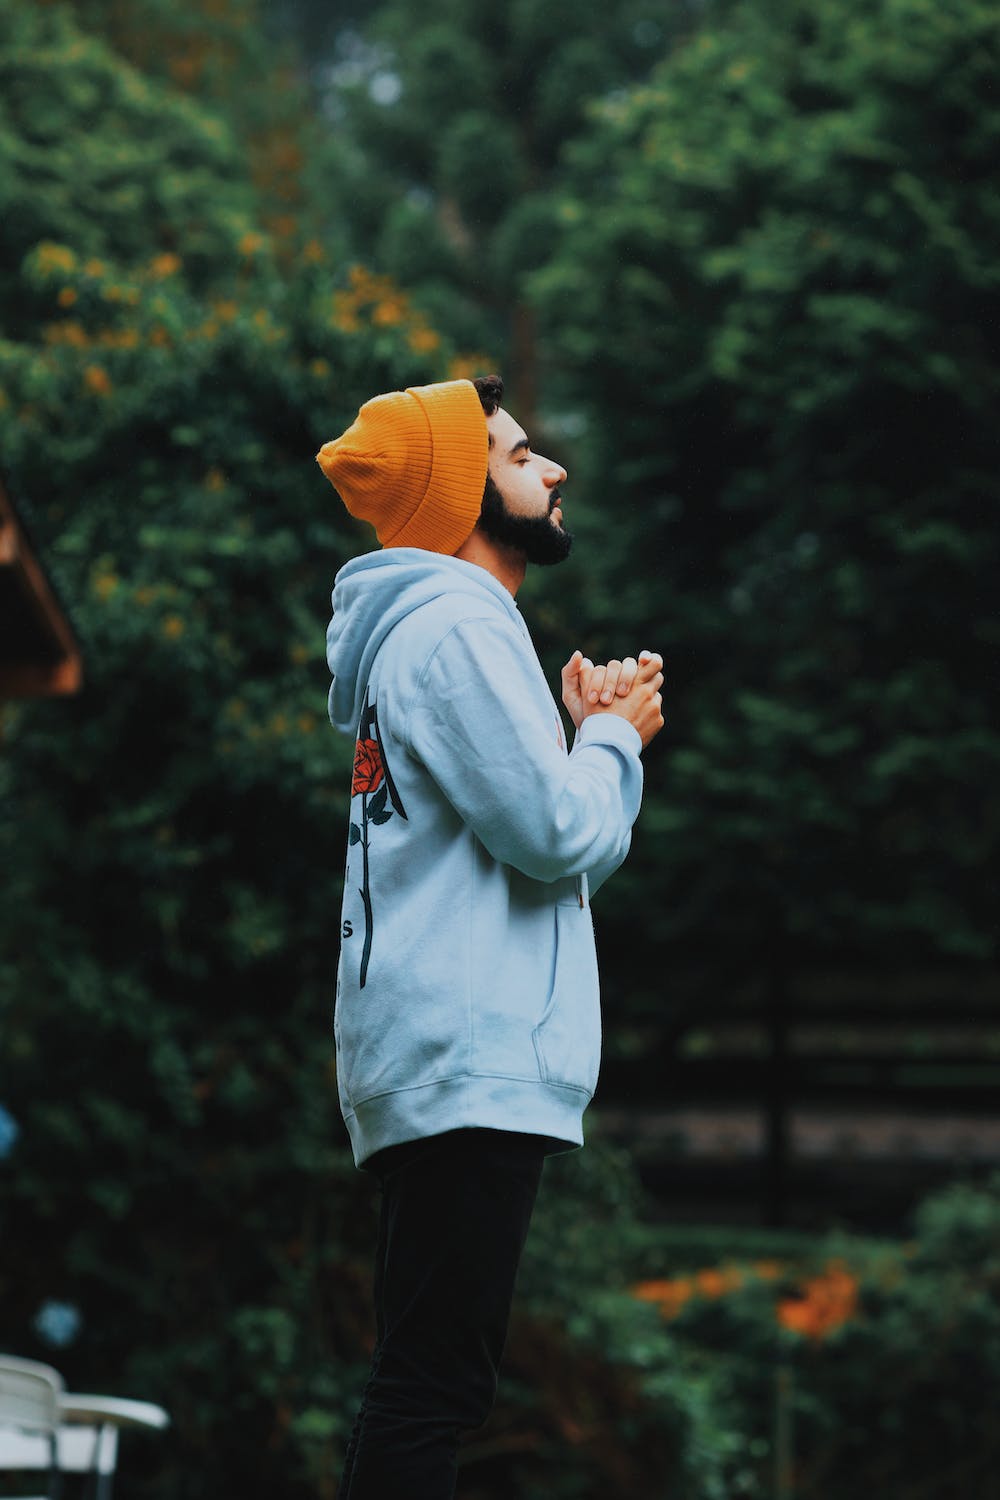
<point x="29" y="1419"/>
<point x="86" y="1431"/>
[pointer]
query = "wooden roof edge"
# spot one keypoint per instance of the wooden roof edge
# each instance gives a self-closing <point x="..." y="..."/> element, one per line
<point x="17" y="551"/>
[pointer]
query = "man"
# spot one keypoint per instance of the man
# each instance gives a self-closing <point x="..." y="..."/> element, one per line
<point x="467" y="1018"/>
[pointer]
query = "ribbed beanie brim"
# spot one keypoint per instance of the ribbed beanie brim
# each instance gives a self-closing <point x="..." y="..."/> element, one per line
<point x="413" y="463"/>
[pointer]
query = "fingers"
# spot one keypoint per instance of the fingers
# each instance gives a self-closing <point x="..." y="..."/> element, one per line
<point x="572" y="667"/>
<point x="604" y="682"/>
<point x="628" y="673"/>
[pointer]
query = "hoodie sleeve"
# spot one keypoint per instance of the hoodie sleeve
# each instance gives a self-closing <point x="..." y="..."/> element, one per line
<point x="480" y="723"/>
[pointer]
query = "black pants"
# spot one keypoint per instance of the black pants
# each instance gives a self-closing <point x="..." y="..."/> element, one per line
<point x="454" y="1218"/>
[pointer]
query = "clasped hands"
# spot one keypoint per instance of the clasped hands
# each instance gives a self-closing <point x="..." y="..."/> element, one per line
<point x="629" y="688"/>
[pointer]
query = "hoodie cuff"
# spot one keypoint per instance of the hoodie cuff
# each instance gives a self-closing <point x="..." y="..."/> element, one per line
<point x="609" y="729"/>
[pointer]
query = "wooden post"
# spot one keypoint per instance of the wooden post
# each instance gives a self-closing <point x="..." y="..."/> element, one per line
<point x="776" y="1101"/>
<point x="783" y="1436"/>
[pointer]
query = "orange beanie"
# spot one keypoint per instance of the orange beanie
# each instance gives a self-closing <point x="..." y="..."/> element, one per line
<point x="413" y="463"/>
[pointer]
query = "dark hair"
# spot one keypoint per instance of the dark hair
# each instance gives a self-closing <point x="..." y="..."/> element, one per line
<point x="490" y="388"/>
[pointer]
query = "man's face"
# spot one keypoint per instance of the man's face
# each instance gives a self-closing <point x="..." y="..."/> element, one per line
<point x="521" y="508"/>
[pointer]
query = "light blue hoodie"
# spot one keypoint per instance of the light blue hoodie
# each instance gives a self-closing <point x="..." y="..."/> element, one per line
<point x="467" y="986"/>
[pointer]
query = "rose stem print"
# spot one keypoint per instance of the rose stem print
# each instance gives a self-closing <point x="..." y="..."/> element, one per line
<point x="371" y="776"/>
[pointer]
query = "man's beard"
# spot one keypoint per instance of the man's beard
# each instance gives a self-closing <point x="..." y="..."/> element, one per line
<point x="536" y="537"/>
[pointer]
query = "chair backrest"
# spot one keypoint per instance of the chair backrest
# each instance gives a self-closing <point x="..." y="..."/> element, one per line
<point x="29" y="1394"/>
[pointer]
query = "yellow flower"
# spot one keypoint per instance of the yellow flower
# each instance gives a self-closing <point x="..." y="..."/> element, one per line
<point x="423" y="340"/>
<point x="95" y="267"/>
<point x="97" y="380"/>
<point x="344" y="315"/>
<point x="53" y="257"/>
<point x="173" y="626"/>
<point x="225" y="310"/>
<point x="279" y="724"/>
<point x="214" y="479"/>
<point x="261" y="317"/>
<point x="306" y="723"/>
<point x="67" y="296"/>
<point x="70" y="332"/>
<point x="313" y="252"/>
<point x="467" y="366"/>
<point x="144" y="596"/>
<point x="166" y="264"/>
<point x="319" y="367"/>
<point x="389" y="312"/>
<point x="105" y="585"/>
<point x="160" y="336"/>
<point x="250" y="243"/>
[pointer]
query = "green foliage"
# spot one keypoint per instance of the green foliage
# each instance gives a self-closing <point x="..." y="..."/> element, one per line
<point x="173" y="837"/>
<point x="463" y="118"/>
<point x="771" y="332"/>
<point x="157" y="169"/>
<point x="639" y="1372"/>
<point x="772" y="315"/>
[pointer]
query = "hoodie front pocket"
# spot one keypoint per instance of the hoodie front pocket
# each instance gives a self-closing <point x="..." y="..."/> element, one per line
<point x="567" y="1038"/>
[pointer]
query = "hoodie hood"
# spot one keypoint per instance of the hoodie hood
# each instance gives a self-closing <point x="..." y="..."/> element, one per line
<point x="372" y="593"/>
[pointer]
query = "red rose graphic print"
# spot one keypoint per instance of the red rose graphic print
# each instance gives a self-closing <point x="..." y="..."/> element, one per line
<point x="368" y="769"/>
<point x="373" y="783"/>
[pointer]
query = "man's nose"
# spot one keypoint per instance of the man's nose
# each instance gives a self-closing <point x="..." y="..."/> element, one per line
<point x="554" y="472"/>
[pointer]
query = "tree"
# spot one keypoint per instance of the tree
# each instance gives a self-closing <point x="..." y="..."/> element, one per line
<point x="172" y="840"/>
<point x="773" y="310"/>
<point x="456" y="128"/>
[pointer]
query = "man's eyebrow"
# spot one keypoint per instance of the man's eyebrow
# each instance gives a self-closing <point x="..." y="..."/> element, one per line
<point x="517" y="448"/>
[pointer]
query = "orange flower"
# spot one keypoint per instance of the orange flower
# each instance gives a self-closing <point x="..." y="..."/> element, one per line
<point x="715" y="1283"/>
<point x="670" y="1296"/>
<point x="67" y="296"/>
<point x="828" y="1300"/>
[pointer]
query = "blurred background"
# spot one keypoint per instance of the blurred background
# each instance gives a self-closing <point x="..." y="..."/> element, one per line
<point x="737" y="263"/>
